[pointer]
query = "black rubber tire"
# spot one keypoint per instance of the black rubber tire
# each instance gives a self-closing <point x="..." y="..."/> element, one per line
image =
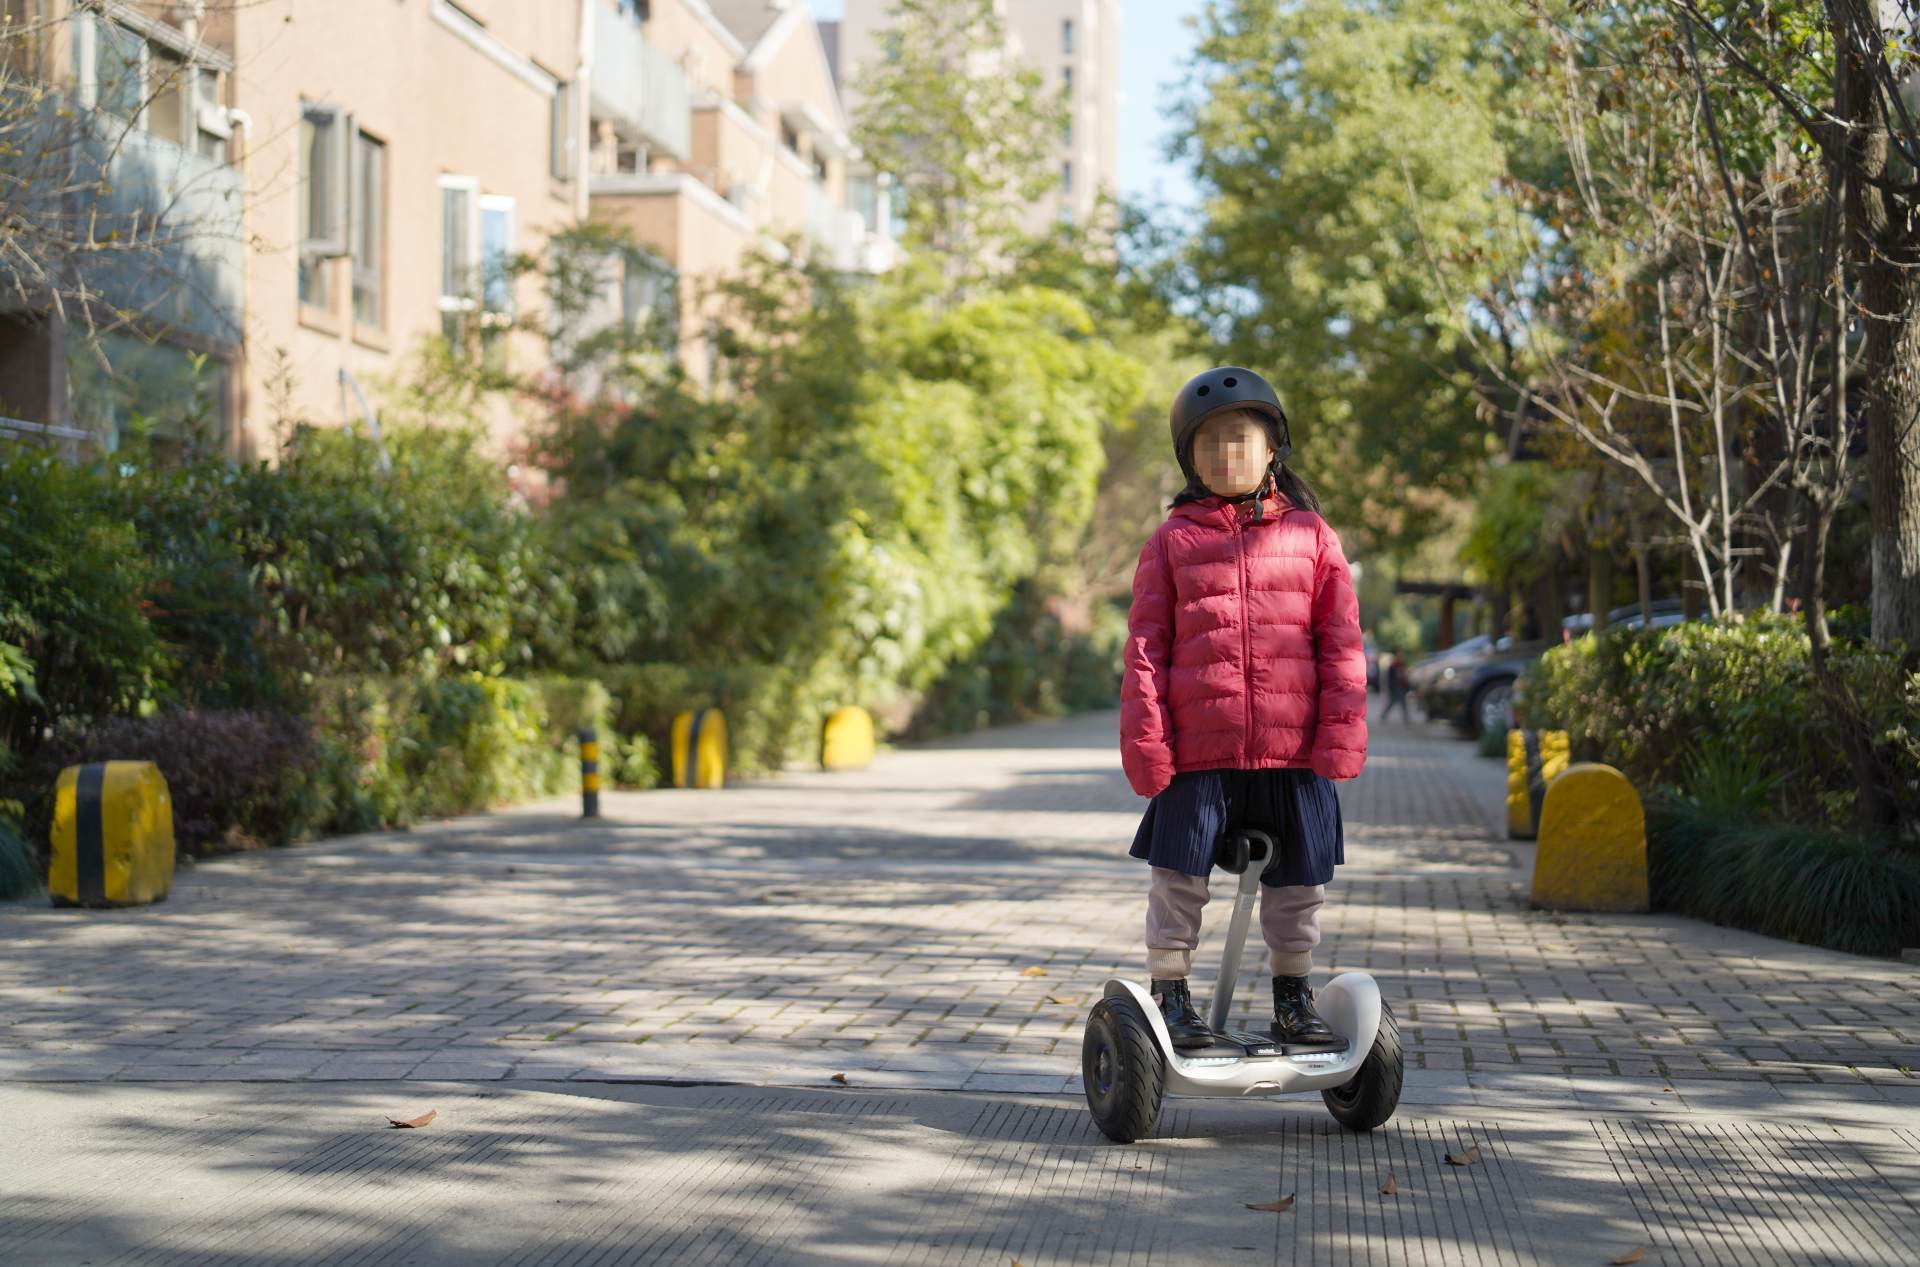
<point x="1374" y="1093"/>
<point x="1123" y="1069"/>
<point x="1477" y="707"/>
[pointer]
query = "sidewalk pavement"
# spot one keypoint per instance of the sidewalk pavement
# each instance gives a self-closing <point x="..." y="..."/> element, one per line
<point x="210" y="1076"/>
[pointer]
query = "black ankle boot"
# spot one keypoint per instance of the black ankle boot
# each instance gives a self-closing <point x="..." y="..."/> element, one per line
<point x="1184" y="1025"/>
<point x="1294" y="1020"/>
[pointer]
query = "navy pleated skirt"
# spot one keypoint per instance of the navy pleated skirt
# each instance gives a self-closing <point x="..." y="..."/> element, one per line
<point x="1298" y="808"/>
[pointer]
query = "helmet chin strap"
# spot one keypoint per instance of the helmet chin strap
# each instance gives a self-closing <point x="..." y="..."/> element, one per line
<point x="1259" y="495"/>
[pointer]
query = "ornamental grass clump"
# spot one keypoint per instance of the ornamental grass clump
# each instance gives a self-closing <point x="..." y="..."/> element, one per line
<point x="1817" y="887"/>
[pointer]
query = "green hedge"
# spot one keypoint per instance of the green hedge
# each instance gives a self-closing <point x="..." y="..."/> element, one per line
<point x="400" y="750"/>
<point x="1664" y="705"/>
<point x="1784" y="880"/>
<point x="374" y="752"/>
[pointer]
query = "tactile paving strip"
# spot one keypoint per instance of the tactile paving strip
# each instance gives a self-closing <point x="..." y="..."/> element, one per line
<point x="1752" y="1192"/>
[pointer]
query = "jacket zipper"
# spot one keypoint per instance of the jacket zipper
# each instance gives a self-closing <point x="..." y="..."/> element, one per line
<point x="1246" y="642"/>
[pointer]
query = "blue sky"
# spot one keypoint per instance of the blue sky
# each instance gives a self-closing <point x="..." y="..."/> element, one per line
<point x="1154" y="45"/>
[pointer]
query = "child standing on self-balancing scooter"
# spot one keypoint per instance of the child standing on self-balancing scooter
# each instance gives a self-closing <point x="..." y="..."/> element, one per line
<point x="1244" y="693"/>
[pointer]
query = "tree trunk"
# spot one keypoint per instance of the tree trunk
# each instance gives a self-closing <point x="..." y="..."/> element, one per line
<point x="1599" y="586"/>
<point x="1888" y="292"/>
<point x="1642" y="570"/>
<point x="1883" y="245"/>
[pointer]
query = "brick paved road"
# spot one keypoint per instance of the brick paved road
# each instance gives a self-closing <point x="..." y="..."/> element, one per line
<point x="882" y="925"/>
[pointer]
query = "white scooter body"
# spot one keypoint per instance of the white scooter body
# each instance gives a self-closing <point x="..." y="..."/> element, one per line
<point x="1350" y="1004"/>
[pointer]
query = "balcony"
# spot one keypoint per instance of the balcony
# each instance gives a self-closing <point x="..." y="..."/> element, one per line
<point x="167" y="223"/>
<point x="640" y="89"/>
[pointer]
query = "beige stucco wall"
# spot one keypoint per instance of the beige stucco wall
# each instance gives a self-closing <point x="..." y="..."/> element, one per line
<point x="688" y="34"/>
<point x="442" y="107"/>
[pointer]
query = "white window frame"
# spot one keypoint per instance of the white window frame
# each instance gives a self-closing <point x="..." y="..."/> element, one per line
<point x="471" y="187"/>
<point x="337" y="240"/>
<point x="482" y="205"/>
<point x="563" y="133"/>
<point x="377" y="217"/>
<point x="149" y="31"/>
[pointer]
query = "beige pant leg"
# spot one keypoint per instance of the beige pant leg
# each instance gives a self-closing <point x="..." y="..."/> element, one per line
<point x="1290" y="925"/>
<point x="1174" y="902"/>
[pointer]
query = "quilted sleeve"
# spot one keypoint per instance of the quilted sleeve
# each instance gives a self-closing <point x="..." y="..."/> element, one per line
<point x="1340" y="737"/>
<point x="1146" y="730"/>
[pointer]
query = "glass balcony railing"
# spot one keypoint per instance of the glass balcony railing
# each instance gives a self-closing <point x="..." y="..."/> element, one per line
<point x="166" y="225"/>
<point x="640" y="88"/>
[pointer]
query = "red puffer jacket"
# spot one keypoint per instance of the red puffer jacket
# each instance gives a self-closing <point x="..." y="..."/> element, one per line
<point x="1243" y="648"/>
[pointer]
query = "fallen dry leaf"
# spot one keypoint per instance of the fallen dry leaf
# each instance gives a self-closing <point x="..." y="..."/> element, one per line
<point x="1035" y="971"/>
<point x="422" y="1120"/>
<point x="840" y="1078"/>
<point x="1390" y="1188"/>
<point x="1464" y="1159"/>
<point x="1633" y="1255"/>
<point x="1273" y="1207"/>
<point x="1067" y="999"/>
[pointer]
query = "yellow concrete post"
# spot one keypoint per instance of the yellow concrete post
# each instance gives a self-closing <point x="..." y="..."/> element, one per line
<point x="846" y="741"/>
<point x="112" y="835"/>
<point x="1593" y="843"/>
<point x="1535" y="758"/>
<point x="700" y="749"/>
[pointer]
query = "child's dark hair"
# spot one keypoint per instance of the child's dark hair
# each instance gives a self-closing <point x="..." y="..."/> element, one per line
<point x="1285" y="478"/>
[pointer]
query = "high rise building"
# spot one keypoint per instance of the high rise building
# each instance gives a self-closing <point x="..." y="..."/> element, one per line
<point x="1074" y="44"/>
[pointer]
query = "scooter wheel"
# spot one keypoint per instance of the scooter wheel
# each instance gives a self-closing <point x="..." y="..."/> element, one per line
<point x="1374" y="1093"/>
<point x="1124" y="1071"/>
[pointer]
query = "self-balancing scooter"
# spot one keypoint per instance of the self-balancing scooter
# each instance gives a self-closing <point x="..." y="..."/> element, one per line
<point x="1129" y="1063"/>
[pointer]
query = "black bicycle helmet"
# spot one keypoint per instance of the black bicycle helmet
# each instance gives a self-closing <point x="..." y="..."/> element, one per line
<point x="1229" y="387"/>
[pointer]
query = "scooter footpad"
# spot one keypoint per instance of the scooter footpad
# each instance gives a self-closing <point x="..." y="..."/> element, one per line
<point x="1241" y="1043"/>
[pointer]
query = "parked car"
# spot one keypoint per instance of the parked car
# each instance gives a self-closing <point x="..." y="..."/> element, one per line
<point x="1475" y="692"/>
<point x="1429" y="666"/>
<point x="1665" y="612"/>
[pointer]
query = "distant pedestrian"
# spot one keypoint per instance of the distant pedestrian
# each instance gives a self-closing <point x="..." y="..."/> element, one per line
<point x="1398" y="685"/>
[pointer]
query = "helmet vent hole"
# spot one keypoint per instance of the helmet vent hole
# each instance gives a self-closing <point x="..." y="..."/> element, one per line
<point x="1203" y="390"/>
<point x="1231" y="382"/>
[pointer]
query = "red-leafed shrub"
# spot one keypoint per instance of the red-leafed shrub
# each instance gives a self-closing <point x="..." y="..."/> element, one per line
<point x="238" y="780"/>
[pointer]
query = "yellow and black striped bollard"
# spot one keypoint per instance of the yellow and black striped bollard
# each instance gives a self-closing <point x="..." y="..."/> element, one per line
<point x="589" y="772"/>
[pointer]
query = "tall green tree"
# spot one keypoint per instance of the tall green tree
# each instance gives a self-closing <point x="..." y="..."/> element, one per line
<point x="1339" y="148"/>
<point x="966" y="130"/>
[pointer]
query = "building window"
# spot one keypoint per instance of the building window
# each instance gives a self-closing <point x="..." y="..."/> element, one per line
<point x="638" y="10"/>
<point x="561" y="146"/>
<point x="1066" y="177"/>
<point x="324" y="184"/>
<point x="789" y="138"/>
<point x="1066" y="36"/>
<point x="498" y="225"/>
<point x="459" y="253"/>
<point x="369" y="228"/>
<point x="1066" y="82"/>
<point x="152" y="81"/>
<point x="212" y="128"/>
<point x="1066" y="129"/>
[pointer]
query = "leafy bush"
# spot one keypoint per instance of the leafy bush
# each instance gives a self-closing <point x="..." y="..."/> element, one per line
<point x="19" y="866"/>
<point x="1783" y="880"/>
<point x="72" y="605"/>
<point x="403" y="750"/>
<point x="772" y="715"/>
<point x="238" y="780"/>
<point x="629" y="763"/>
<point x="1682" y="706"/>
<point x="1029" y="666"/>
